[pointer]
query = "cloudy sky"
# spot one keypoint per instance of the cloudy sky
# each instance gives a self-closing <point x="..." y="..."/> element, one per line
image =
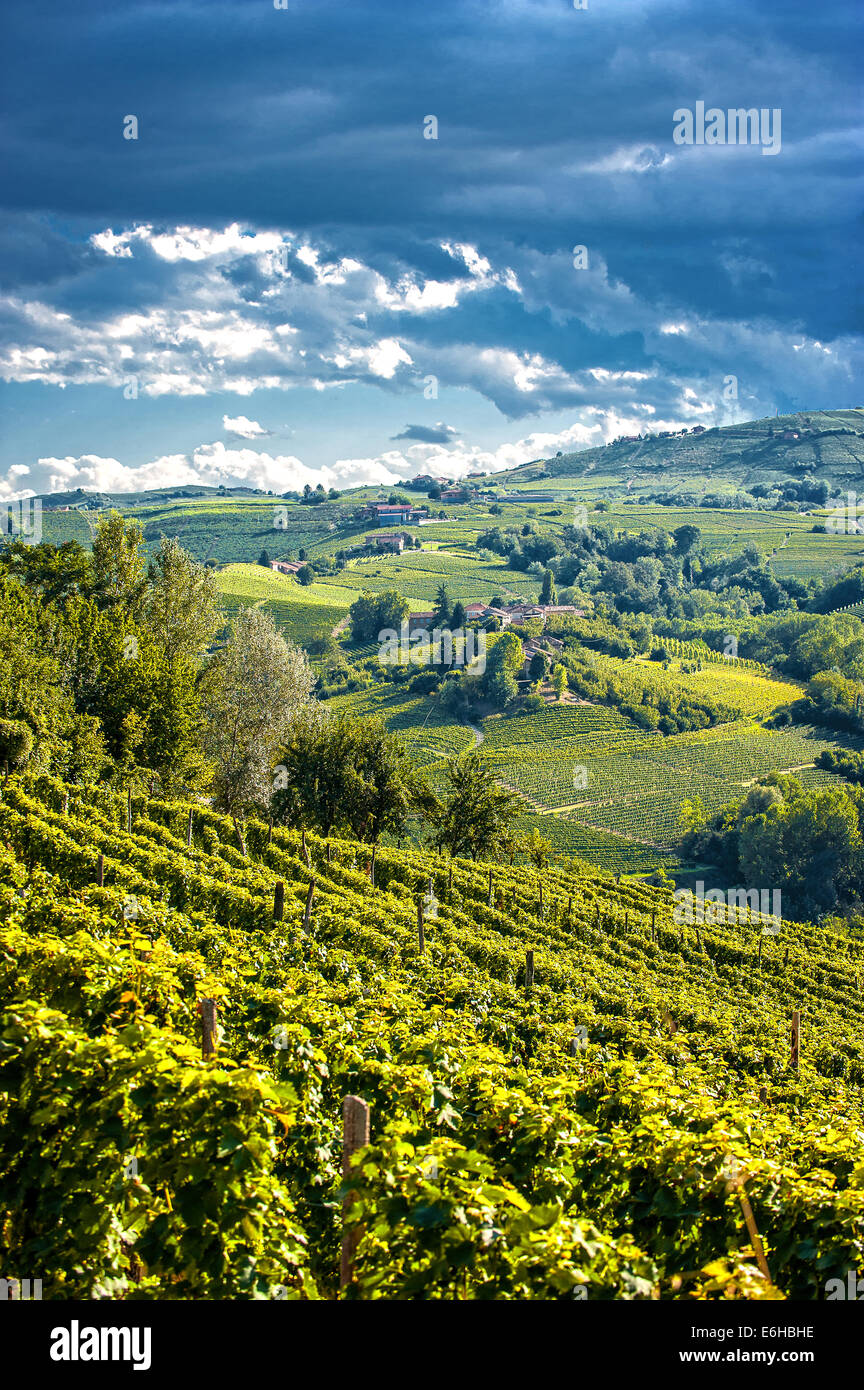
<point x="285" y="278"/>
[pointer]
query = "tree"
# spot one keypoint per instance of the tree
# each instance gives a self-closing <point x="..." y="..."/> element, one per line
<point x="344" y="774"/>
<point x="442" y="607"/>
<point x="53" y="572"/>
<point x="686" y="538"/>
<point x="691" y="814"/>
<point x="305" y="575"/>
<point x="473" y="815"/>
<point x="119" y="564"/>
<point x="264" y="559"/>
<point x="372" y="614"/>
<point x="538" y="666"/>
<point x="547" y="590"/>
<point x="559" y="681"/>
<point x="181" y="602"/>
<point x="255" y="689"/>
<point x="537" y="849"/>
<point x="498" y="683"/>
<point x="458" y="617"/>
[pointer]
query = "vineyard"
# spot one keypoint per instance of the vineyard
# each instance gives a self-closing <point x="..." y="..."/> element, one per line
<point x="569" y="1094"/>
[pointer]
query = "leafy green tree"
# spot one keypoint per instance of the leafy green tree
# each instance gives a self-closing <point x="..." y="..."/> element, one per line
<point x="372" y="614"/>
<point x="181" y="602"/>
<point x="51" y="572"/>
<point x="473" y="816"/>
<point x="538" y="666"/>
<point x="119" y="564"/>
<point x="441" y="609"/>
<point x="458" y="616"/>
<point x="254" y="690"/>
<point x="305" y="575"/>
<point x="547" y="589"/>
<point x="537" y="849"/>
<point x="559" y="681"/>
<point x="264" y="559"/>
<point x="343" y="774"/>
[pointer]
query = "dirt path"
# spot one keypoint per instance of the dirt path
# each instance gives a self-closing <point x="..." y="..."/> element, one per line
<point x="341" y="626"/>
<point x="478" y="734"/>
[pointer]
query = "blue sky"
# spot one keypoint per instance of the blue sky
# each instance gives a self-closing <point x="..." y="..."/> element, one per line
<point x="282" y="280"/>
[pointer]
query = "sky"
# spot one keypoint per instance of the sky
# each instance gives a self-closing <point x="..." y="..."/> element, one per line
<point x="350" y="242"/>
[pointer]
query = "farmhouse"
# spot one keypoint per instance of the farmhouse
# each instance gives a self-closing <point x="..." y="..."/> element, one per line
<point x="287" y="566"/>
<point x="387" y="540"/>
<point x="395" y="513"/>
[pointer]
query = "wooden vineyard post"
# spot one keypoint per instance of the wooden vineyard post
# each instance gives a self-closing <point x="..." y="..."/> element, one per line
<point x="355" y="1135"/>
<point x="626" y="923"/>
<point x="305" y="849"/>
<point x="100" y="871"/>
<point x="795" y="1050"/>
<point x="307" y="915"/>
<point x="569" y="909"/>
<point x="128" y="810"/>
<point x="421" y="932"/>
<point x="189" y="830"/>
<point x="329" y="853"/>
<point x="489" y="893"/>
<point x="269" y="830"/>
<point x="759" y="961"/>
<point x="786" y="958"/>
<point x="529" y="969"/>
<point x="208" y="1012"/>
<point x="736" y="1185"/>
<point x="279" y="901"/>
<point x="450" y="883"/>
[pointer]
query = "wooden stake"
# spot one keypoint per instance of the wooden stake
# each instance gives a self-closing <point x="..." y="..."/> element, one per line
<point x="569" y="908"/>
<point x="279" y="901"/>
<point x="209" y="1014"/>
<point x="355" y="1135"/>
<point x="189" y="830"/>
<point x="450" y="882"/>
<point x="529" y="969"/>
<point x="128" y="810"/>
<point x="372" y="866"/>
<point x="421" y="933"/>
<point x="329" y="853"/>
<point x="305" y="850"/>
<point x="795" y="1050"/>
<point x="100" y="871"/>
<point x="269" y="830"/>
<point x="755" y="1239"/>
<point x="786" y="958"/>
<point x="489" y="894"/>
<point x="307" y="915"/>
<point x="759" y="961"/>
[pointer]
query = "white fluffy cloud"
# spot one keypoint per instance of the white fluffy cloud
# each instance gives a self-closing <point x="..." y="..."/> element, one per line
<point x="243" y="428"/>
<point x="214" y="465"/>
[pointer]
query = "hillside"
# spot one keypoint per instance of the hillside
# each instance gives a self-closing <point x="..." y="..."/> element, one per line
<point x="574" y="1122"/>
<point x="828" y="444"/>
